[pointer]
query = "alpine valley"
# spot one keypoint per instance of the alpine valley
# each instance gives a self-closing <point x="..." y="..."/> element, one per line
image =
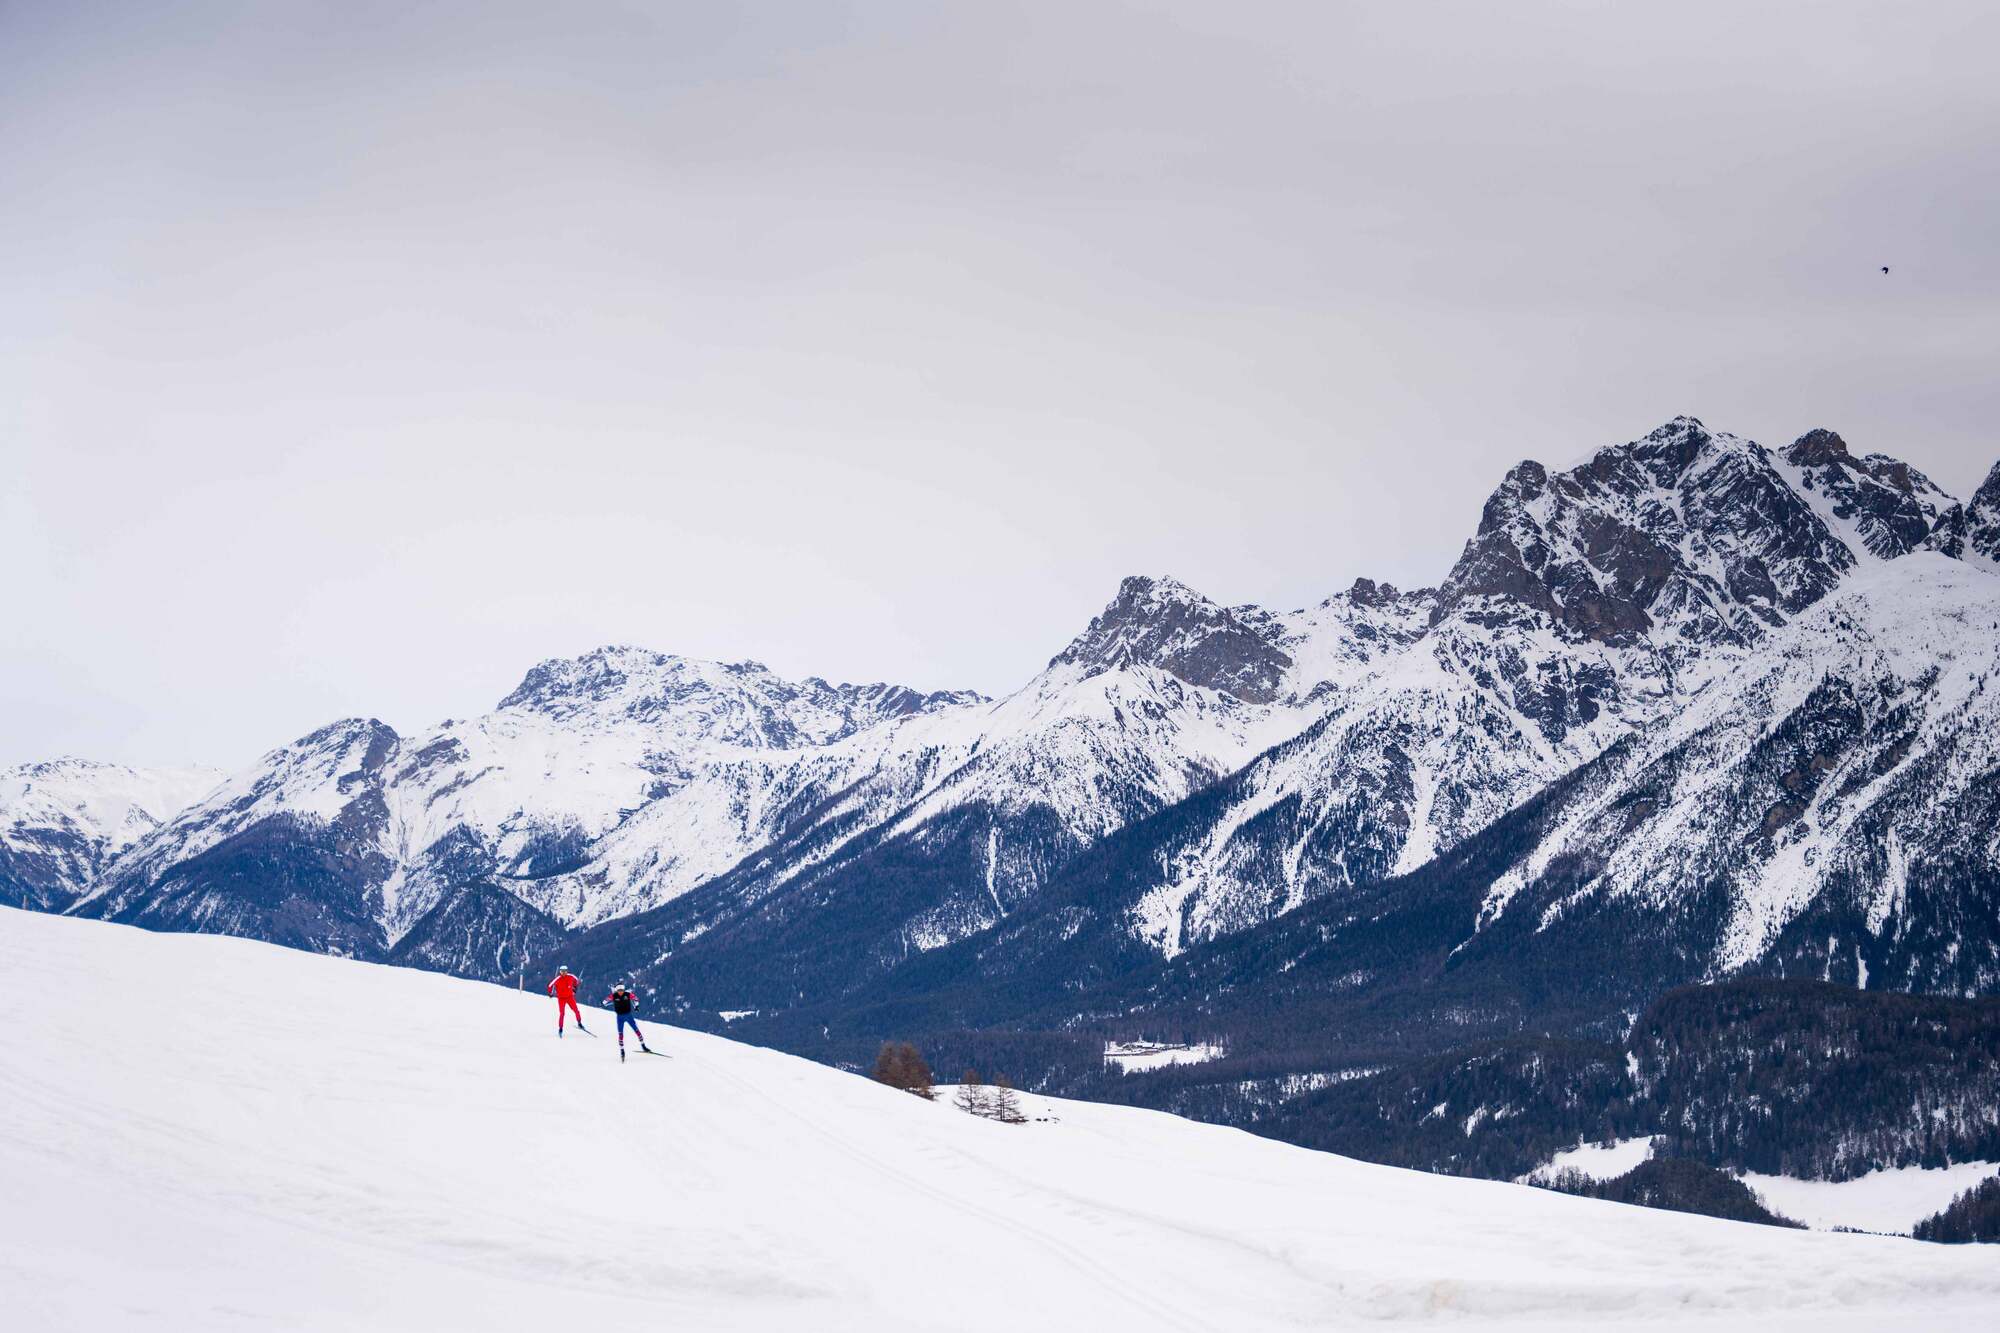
<point x="1671" y="812"/>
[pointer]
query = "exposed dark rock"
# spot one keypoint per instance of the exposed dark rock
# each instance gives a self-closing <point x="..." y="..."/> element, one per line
<point x="1164" y="623"/>
<point x="1891" y="505"/>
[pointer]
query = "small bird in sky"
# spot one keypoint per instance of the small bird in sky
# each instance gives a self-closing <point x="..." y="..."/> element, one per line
<point x="1885" y="268"/>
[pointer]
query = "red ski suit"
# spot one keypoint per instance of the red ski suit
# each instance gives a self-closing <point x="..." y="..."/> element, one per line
<point x="564" y="989"/>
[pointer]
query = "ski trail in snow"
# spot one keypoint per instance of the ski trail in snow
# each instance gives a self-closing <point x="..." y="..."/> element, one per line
<point x="395" y="1150"/>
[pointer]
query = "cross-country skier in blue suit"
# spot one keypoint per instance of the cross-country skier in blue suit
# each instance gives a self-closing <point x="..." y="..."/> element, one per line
<point x="621" y="1001"/>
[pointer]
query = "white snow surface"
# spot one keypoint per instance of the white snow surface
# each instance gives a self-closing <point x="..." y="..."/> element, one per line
<point x="1599" y="1161"/>
<point x="218" y="1133"/>
<point x="1890" y="1201"/>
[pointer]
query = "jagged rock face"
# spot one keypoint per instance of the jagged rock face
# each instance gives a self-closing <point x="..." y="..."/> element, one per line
<point x="1982" y="526"/>
<point x="1885" y="507"/>
<point x="1686" y="537"/>
<point x="1971" y="531"/>
<point x="1164" y="623"/>
<point x="63" y="821"/>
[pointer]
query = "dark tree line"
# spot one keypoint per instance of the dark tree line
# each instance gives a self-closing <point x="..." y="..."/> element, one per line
<point x="1972" y="1216"/>
<point x="1676" y="1184"/>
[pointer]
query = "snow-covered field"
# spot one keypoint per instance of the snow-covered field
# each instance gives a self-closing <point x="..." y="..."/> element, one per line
<point x="209" y="1133"/>
<point x="1599" y="1161"/>
<point x="1892" y="1201"/>
<point x="1887" y="1201"/>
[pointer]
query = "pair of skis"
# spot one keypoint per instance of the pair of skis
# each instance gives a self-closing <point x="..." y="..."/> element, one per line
<point x="643" y="1050"/>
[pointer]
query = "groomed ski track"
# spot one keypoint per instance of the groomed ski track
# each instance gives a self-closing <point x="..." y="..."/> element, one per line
<point x="219" y="1134"/>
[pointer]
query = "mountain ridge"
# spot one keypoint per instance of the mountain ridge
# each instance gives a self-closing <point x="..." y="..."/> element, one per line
<point x="763" y="843"/>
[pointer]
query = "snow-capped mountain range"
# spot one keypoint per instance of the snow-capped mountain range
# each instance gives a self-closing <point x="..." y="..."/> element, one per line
<point x="1640" y="624"/>
<point x="62" y="822"/>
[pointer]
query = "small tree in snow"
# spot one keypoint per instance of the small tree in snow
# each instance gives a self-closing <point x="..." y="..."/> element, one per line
<point x="899" y="1065"/>
<point x="971" y="1094"/>
<point x="1006" y="1105"/>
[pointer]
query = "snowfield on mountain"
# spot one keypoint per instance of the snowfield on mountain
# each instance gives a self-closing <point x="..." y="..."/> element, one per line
<point x="217" y="1133"/>
<point x="1845" y="778"/>
<point x="63" y="821"/>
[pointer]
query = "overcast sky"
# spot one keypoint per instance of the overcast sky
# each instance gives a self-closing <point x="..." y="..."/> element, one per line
<point x="354" y="359"/>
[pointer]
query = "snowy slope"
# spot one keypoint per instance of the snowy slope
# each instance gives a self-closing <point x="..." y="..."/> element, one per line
<point x="62" y="821"/>
<point x="288" y="1141"/>
<point x="1829" y="808"/>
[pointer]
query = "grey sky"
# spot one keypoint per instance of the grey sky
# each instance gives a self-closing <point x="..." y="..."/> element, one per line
<point x="353" y="360"/>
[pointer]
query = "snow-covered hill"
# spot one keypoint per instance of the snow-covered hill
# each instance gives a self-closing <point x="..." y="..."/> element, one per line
<point x="62" y="822"/>
<point x="211" y="1132"/>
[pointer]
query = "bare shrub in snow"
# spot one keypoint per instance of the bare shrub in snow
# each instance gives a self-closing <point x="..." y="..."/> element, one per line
<point x="1006" y="1104"/>
<point x="971" y="1095"/>
<point x="900" y="1065"/>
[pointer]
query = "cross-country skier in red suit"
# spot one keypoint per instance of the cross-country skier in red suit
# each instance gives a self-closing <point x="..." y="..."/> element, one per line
<point x="563" y="987"/>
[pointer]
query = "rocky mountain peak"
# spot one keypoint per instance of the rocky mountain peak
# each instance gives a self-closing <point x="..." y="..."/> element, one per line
<point x="368" y="738"/>
<point x="1879" y="504"/>
<point x="1369" y="593"/>
<point x="1817" y="447"/>
<point x="559" y="683"/>
<point x="1684" y="534"/>
<point x="1161" y="622"/>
